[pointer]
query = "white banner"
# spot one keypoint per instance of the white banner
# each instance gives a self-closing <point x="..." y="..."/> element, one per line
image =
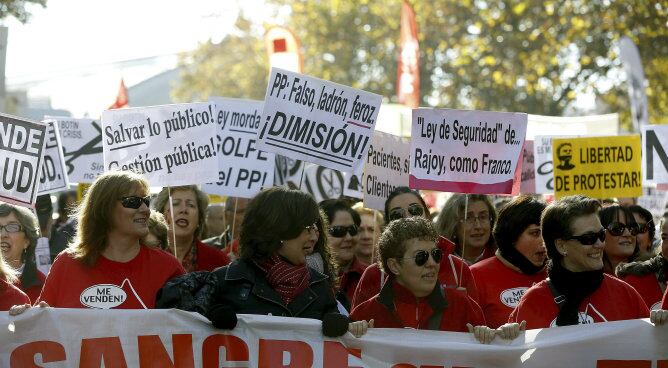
<point x="243" y="170"/>
<point x="465" y="151"/>
<point x="82" y="148"/>
<point x="317" y="121"/>
<point x="655" y="158"/>
<point x="54" y="173"/>
<point x="165" y="338"/>
<point x="21" y="155"/>
<point x="170" y="144"/>
<point x="386" y="168"/>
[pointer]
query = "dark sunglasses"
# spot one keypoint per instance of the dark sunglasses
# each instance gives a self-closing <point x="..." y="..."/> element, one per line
<point x="135" y="202"/>
<point x="422" y="256"/>
<point x="340" y="231"/>
<point x="617" y="229"/>
<point x="414" y="209"/>
<point x="589" y="238"/>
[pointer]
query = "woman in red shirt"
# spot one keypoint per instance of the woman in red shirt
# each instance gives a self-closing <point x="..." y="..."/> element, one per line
<point x="412" y="296"/>
<point x="519" y="262"/>
<point x="577" y="291"/>
<point x="9" y="294"/>
<point x="186" y="226"/>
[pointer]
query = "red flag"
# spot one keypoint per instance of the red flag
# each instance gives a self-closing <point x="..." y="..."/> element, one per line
<point x="122" y="98"/>
<point x="408" y="70"/>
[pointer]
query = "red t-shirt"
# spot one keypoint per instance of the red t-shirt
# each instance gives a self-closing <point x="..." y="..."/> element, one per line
<point x="614" y="300"/>
<point x="451" y="268"/>
<point x="209" y="258"/>
<point x="109" y="284"/>
<point x="500" y="288"/>
<point x="415" y="312"/>
<point x="648" y="287"/>
<point x="34" y="291"/>
<point x="11" y="295"/>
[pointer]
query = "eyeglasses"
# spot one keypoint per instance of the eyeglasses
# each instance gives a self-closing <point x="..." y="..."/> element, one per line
<point x="414" y="209"/>
<point x="340" y="231"/>
<point x="135" y="202"/>
<point x="617" y="229"/>
<point x="11" y="228"/>
<point x="645" y="227"/>
<point x="482" y="218"/>
<point x="422" y="256"/>
<point x="312" y="228"/>
<point x="589" y="238"/>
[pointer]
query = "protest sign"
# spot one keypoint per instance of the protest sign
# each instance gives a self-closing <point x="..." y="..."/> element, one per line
<point x="288" y="172"/>
<point x="655" y="201"/>
<point x="599" y="167"/>
<point x="170" y="144"/>
<point x="319" y="181"/>
<point x="54" y="173"/>
<point x="600" y="125"/>
<point x="543" y="167"/>
<point x="82" y="148"/>
<point x="21" y="155"/>
<point x="173" y="338"/>
<point x="243" y="170"/>
<point x="655" y="158"/>
<point x="528" y="176"/>
<point x="317" y="121"/>
<point x="43" y="255"/>
<point x="465" y="151"/>
<point x="353" y="187"/>
<point x="385" y="169"/>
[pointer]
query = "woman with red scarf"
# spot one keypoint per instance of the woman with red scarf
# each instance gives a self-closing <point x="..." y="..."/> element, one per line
<point x="271" y="276"/>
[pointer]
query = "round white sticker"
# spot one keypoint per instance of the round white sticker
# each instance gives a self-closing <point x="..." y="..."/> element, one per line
<point x="103" y="296"/>
<point x="511" y="297"/>
<point x="583" y="319"/>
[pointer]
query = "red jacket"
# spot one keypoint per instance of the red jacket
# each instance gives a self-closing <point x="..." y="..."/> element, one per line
<point x="648" y="287"/>
<point x="351" y="278"/>
<point x="445" y="309"/>
<point x="500" y="288"/>
<point x="11" y="295"/>
<point x="34" y="291"/>
<point x="451" y="268"/>
<point x="614" y="300"/>
<point x="208" y="257"/>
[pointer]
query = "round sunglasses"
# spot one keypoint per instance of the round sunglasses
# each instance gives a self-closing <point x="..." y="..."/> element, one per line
<point x="422" y="256"/>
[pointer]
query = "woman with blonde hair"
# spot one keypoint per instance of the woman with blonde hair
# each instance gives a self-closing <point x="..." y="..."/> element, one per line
<point x="106" y="266"/>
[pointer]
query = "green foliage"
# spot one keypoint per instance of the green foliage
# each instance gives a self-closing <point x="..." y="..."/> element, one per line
<point x="17" y="8"/>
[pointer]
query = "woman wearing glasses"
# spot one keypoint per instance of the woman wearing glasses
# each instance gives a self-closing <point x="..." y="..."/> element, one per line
<point x="471" y="230"/>
<point x="649" y="277"/>
<point x="106" y="266"/>
<point x="280" y="228"/>
<point x="404" y="202"/>
<point x="620" y="237"/>
<point x="577" y="291"/>
<point x="18" y="240"/>
<point x="186" y="225"/>
<point x="412" y="297"/>
<point x="646" y="238"/>
<point x="519" y="262"/>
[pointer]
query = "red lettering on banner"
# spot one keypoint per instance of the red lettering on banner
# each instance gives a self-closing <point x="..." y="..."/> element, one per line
<point x="103" y="349"/>
<point x="236" y="350"/>
<point x="336" y="355"/>
<point x="662" y="364"/>
<point x="623" y="364"/>
<point x="152" y="352"/>
<point x="271" y="354"/>
<point x="24" y="355"/>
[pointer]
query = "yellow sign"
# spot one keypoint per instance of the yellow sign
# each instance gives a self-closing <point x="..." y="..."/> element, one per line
<point x="81" y="191"/>
<point x="598" y="167"/>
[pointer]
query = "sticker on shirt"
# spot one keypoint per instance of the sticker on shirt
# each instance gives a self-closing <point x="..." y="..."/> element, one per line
<point x="656" y="306"/>
<point x="511" y="297"/>
<point x="107" y="296"/>
<point x="584" y="318"/>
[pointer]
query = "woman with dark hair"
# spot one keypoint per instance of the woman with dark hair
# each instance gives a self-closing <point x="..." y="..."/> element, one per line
<point x="9" y="294"/>
<point x="18" y="242"/>
<point x="186" y="225"/>
<point x="519" y="262"/>
<point x="620" y="237"/>
<point x="344" y="224"/>
<point x="471" y="230"/>
<point x="271" y="277"/>
<point x="453" y="273"/>
<point x="577" y="290"/>
<point x="649" y="277"/>
<point x="646" y="231"/>
<point x="106" y="266"/>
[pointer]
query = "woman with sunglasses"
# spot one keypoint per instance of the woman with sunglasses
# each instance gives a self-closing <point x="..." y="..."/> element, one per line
<point x="577" y="290"/>
<point x="186" y="225"/>
<point x="519" y="262"/>
<point x="271" y="277"/>
<point x="9" y="294"/>
<point x="646" y="237"/>
<point x="404" y="202"/>
<point x="106" y="266"/>
<point x="412" y="296"/>
<point x="620" y="237"/>
<point x="471" y="230"/>
<point x="341" y="237"/>
<point x="649" y="277"/>
<point x="18" y="240"/>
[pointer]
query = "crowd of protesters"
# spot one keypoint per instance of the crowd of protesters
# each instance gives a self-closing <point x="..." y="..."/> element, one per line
<point x="472" y="269"/>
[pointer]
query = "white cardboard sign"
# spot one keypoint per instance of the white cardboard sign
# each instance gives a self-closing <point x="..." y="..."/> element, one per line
<point x="82" y="148"/>
<point x="386" y="168"/>
<point x="655" y="156"/>
<point x="54" y="173"/>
